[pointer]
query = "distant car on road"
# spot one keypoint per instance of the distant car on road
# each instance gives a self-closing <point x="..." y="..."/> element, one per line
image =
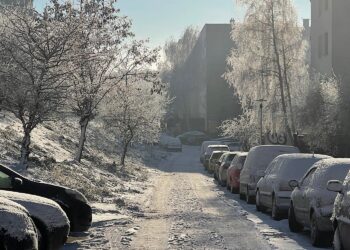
<point x="170" y="143"/>
<point x="71" y="201"/>
<point x="50" y="220"/>
<point x="311" y="201"/>
<point x="210" y="149"/>
<point x="258" y="159"/>
<point x="204" y="147"/>
<point x="214" y="160"/>
<point x="225" y="162"/>
<point x="17" y="229"/>
<point x="193" y="138"/>
<point x="273" y="190"/>
<point x="234" y="172"/>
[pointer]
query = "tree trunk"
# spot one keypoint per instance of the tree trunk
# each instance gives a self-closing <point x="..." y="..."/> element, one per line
<point x="83" y="127"/>
<point x="280" y="76"/>
<point x="25" y="148"/>
<point x="126" y="147"/>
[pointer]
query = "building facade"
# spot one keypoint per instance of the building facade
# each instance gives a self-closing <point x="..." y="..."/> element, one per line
<point x="330" y="38"/>
<point x="22" y="3"/>
<point x="206" y="98"/>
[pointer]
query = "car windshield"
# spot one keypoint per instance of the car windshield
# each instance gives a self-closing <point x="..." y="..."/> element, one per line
<point x="216" y="156"/>
<point x="322" y="176"/>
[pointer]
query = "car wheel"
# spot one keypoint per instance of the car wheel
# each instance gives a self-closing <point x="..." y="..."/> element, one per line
<point x="294" y="225"/>
<point x="249" y="199"/>
<point x="259" y="207"/>
<point x="337" y="245"/>
<point x="275" y="213"/>
<point x="316" y="234"/>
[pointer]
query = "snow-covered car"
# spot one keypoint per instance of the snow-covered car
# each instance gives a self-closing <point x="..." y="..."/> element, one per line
<point x="341" y="213"/>
<point x="258" y="159"/>
<point x="233" y="145"/>
<point x="273" y="190"/>
<point x="225" y="162"/>
<point x="210" y="149"/>
<point x="214" y="160"/>
<point x="234" y="172"/>
<point x="71" y="201"/>
<point x="204" y="147"/>
<point x="312" y="203"/>
<point x="170" y="143"/>
<point x="50" y="220"/>
<point x="17" y="229"/>
<point x="193" y="138"/>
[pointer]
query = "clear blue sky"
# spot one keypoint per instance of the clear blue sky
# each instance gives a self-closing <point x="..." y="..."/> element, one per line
<point x="161" y="19"/>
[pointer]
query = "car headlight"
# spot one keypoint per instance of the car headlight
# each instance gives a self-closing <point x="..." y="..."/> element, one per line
<point x="76" y="195"/>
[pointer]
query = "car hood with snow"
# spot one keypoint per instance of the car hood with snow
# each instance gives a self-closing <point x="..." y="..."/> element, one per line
<point x="17" y="229"/>
<point x="48" y="216"/>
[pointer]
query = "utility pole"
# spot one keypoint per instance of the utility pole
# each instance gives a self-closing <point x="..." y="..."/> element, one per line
<point x="261" y="120"/>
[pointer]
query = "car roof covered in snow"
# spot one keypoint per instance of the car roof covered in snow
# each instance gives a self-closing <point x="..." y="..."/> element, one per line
<point x="302" y="156"/>
<point x="15" y="220"/>
<point x="218" y="146"/>
<point x="330" y="169"/>
<point x="43" y="209"/>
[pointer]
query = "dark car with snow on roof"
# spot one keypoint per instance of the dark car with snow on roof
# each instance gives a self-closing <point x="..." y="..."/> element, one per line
<point x="71" y="201"/>
<point x="312" y="203"/>
<point x="341" y="213"/>
<point x="273" y="191"/>
<point x="17" y="229"/>
<point x="50" y="220"/>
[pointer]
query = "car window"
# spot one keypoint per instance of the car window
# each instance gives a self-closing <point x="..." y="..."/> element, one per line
<point x="5" y="181"/>
<point x="308" y="177"/>
<point x="271" y="167"/>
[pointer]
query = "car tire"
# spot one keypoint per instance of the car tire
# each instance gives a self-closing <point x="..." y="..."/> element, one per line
<point x="315" y="233"/>
<point x="337" y="245"/>
<point x="248" y="198"/>
<point x="275" y="213"/>
<point x="294" y="225"/>
<point x="259" y="207"/>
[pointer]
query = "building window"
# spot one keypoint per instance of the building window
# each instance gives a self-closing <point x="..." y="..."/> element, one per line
<point x="326" y="44"/>
<point x="320" y="41"/>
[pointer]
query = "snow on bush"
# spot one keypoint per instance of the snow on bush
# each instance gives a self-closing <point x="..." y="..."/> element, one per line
<point x="15" y="221"/>
<point x="47" y="211"/>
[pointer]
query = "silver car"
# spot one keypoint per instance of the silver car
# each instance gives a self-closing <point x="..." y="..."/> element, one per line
<point x="273" y="190"/>
<point x="312" y="203"/>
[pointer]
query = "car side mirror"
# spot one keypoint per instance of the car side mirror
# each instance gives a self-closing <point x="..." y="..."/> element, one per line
<point x="17" y="181"/>
<point x="294" y="184"/>
<point x="335" y="186"/>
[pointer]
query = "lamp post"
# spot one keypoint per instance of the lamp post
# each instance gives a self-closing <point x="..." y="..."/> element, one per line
<point x="261" y="119"/>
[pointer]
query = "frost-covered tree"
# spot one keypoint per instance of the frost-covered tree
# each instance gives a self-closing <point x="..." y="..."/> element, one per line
<point x="107" y="55"/>
<point x="134" y="114"/>
<point x="36" y="51"/>
<point x="268" y="61"/>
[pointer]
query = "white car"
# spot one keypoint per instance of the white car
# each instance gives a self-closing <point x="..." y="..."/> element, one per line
<point x="170" y="143"/>
<point x="204" y="147"/>
<point x="210" y="149"/>
<point x="258" y="159"/>
<point x="312" y="203"/>
<point x="273" y="190"/>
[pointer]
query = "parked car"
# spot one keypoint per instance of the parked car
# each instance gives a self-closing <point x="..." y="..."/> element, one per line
<point x="193" y="138"/>
<point x="71" y="201"/>
<point x="234" y="172"/>
<point x="234" y="146"/>
<point x="170" y="143"/>
<point x="214" y="160"/>
<point x="312" y="203"/>
<point x="50" y="220"/>
<point x="17" y="229"/>
<point x="341" y="213"/>
<point x="258" y="159"/>
<point x="273" y="190"/>
<point x="204" y="147"/>
<point x="210" y="149"/>
<point x="221" y="170"/>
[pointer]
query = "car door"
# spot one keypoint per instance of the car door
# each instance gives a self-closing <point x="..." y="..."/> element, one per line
<point x="264" y="184"/>
<point x="301" y="205"/>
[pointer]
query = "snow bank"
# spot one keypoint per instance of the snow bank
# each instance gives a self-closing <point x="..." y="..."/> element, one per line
<point x="47" y="211"/>
<point x="15" y="221"/>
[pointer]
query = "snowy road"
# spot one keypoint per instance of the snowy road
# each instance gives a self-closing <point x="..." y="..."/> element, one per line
<point x="186" y="209"/>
